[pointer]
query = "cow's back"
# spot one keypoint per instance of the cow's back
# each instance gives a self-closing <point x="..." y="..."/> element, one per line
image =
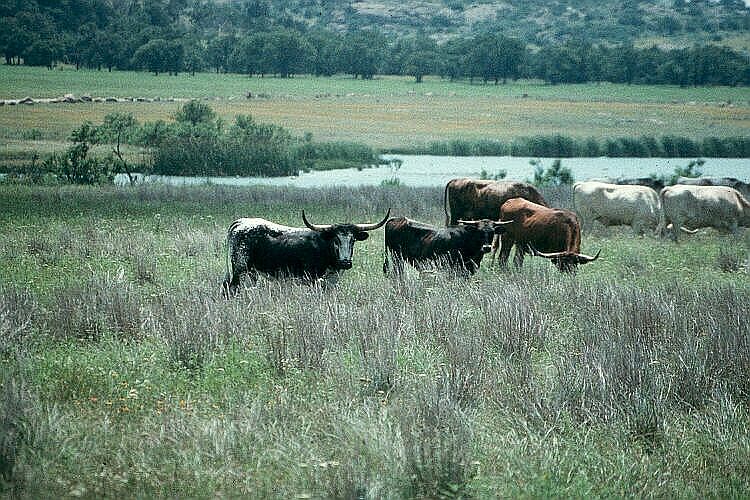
<point x="703" y="206"/>
<point x="474" y="199"/>
<point x="742" y="187"/>
<point x="547" y="229"/>
<point x="617" y="203"/>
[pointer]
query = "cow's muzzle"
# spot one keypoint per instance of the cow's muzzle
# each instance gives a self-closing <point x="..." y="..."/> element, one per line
<point x="486" y="248"/>
<point x="345" y="264"/>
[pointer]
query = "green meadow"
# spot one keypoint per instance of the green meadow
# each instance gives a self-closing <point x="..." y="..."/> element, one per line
<point x="125" y="374"/>
<point x="387" y="112"/>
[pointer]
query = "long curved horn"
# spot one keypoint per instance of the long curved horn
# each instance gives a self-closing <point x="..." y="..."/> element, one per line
<point x="550" y="255"/>
<point x="468" y="222"/>
<point x="371" y="227"/>
<point x="585" y="259"/>
<point x="502" y="222"/>
<point x="314" y="227"/>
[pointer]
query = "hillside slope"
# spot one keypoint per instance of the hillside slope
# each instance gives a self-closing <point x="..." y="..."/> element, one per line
<point x="669" y="22"/>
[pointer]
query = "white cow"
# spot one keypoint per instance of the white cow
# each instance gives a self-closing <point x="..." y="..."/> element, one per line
<point x="615" y="205"/>
<point x="720" y="207"/>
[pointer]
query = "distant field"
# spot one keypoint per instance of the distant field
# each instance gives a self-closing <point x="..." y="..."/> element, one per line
<point x="385" y="112"/>
<point x="18" y="82"/>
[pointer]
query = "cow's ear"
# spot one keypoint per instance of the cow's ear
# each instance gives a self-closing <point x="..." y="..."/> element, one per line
<point x="361" y="235"/>
<point x="499" y="229"/>
<point x="327" y="235"/>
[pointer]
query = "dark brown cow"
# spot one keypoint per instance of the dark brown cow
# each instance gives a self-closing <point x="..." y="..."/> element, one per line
<point x="460" y="247"/>
<point x="546" y="232"/>
<point x="473" y="199"/>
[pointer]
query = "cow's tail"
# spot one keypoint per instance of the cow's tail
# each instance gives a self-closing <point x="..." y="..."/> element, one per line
<point x="228" y="277"/>
<point x="661" y="227"/>
<point x="445" y="203"/>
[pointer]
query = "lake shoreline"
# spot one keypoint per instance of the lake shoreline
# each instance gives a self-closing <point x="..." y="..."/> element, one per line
<point x="427" y="170"/>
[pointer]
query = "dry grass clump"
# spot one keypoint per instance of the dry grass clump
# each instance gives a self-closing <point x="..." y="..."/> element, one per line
<point x="18" y="314"/>
<point x="103" y="304"/>
<point x="16" y="432"/>
<point x="731" y="261"/>
<point x="645" y="354"/>
<point x="437" y="439"/>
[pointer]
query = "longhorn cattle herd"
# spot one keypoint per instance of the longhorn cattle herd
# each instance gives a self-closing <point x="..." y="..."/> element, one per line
<point x="483" y="216"/>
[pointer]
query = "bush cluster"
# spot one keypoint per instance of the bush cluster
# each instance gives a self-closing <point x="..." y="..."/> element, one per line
<point x="558" y="146"/>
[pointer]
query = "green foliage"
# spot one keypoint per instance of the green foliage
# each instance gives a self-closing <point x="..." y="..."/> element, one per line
<point x="569" y="147"/>
<point x="328" y="155"/>
<point x="554" y="175"/>
<point x="692" y="169"/>
<point x="497" y="176"/>
<point x="391" y="182"/>
<point x="75" y="166"/>
<point x="195" y="112"/>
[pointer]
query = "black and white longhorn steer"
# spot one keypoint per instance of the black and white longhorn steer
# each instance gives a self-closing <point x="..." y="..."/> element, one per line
<point x="319" y="251"/>
<point x="461" y="247"/>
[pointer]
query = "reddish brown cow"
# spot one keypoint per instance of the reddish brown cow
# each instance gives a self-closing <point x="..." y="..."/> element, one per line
<point x="473" y="199"/>
<point x="546" y="232"/>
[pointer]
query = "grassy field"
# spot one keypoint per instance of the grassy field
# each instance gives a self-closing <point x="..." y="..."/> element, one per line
<point x="125" y="375"/>
<point x="386" y="112"/>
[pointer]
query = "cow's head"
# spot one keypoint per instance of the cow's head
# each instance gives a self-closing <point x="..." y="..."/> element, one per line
<point x="486" y="229"/>
<point x="566" y="261"/>
<point x="341" y="238"/>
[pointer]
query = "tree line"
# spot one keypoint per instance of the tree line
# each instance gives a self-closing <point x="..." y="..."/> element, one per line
<point x="150" y="36"/>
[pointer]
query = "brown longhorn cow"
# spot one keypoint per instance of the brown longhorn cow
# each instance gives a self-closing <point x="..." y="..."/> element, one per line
<point x="541" y="231"/>
<point x="474" y="199"/>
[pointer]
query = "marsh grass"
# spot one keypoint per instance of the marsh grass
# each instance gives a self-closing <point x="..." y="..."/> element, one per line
<point x="104" y="304"/>
<point x="16" y="406"/>
<point x="19" y="312"/>
<point x="508" y="383"/>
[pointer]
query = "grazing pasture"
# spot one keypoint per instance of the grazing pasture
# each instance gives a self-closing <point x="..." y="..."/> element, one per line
<point x="124" y="373"/>
<point x="387" y="112"/>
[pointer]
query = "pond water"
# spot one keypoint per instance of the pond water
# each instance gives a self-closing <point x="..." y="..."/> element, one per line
<point x="425" y="170"/>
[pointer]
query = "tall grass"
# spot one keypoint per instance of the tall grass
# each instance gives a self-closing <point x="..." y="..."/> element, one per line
<point x="558" y="146"/>
<point x="519" y="383"/>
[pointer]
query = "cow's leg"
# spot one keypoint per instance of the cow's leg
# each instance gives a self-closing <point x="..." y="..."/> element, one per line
<point x="239" y="267"/>
<point x="495" y="246"/>
<point x="398" y="264"/>
<point x="330" y="280"/>
<point x="675" y="229"/>
<point x="505" y="245"/>
<point x="638" y="229"/>
<point x="229" y="287"/>
<point x="518" y="257"/>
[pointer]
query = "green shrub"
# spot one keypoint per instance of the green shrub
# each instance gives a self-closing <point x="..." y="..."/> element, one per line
<point x="632" y="147"/>
<point x="195" y="112"/>
<point x="76" y="167"/>
<point x="460" y="148"/>
<point x="554" y="175"/>
<point x="486" y="147"/>
<point x="340" y="154"/>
